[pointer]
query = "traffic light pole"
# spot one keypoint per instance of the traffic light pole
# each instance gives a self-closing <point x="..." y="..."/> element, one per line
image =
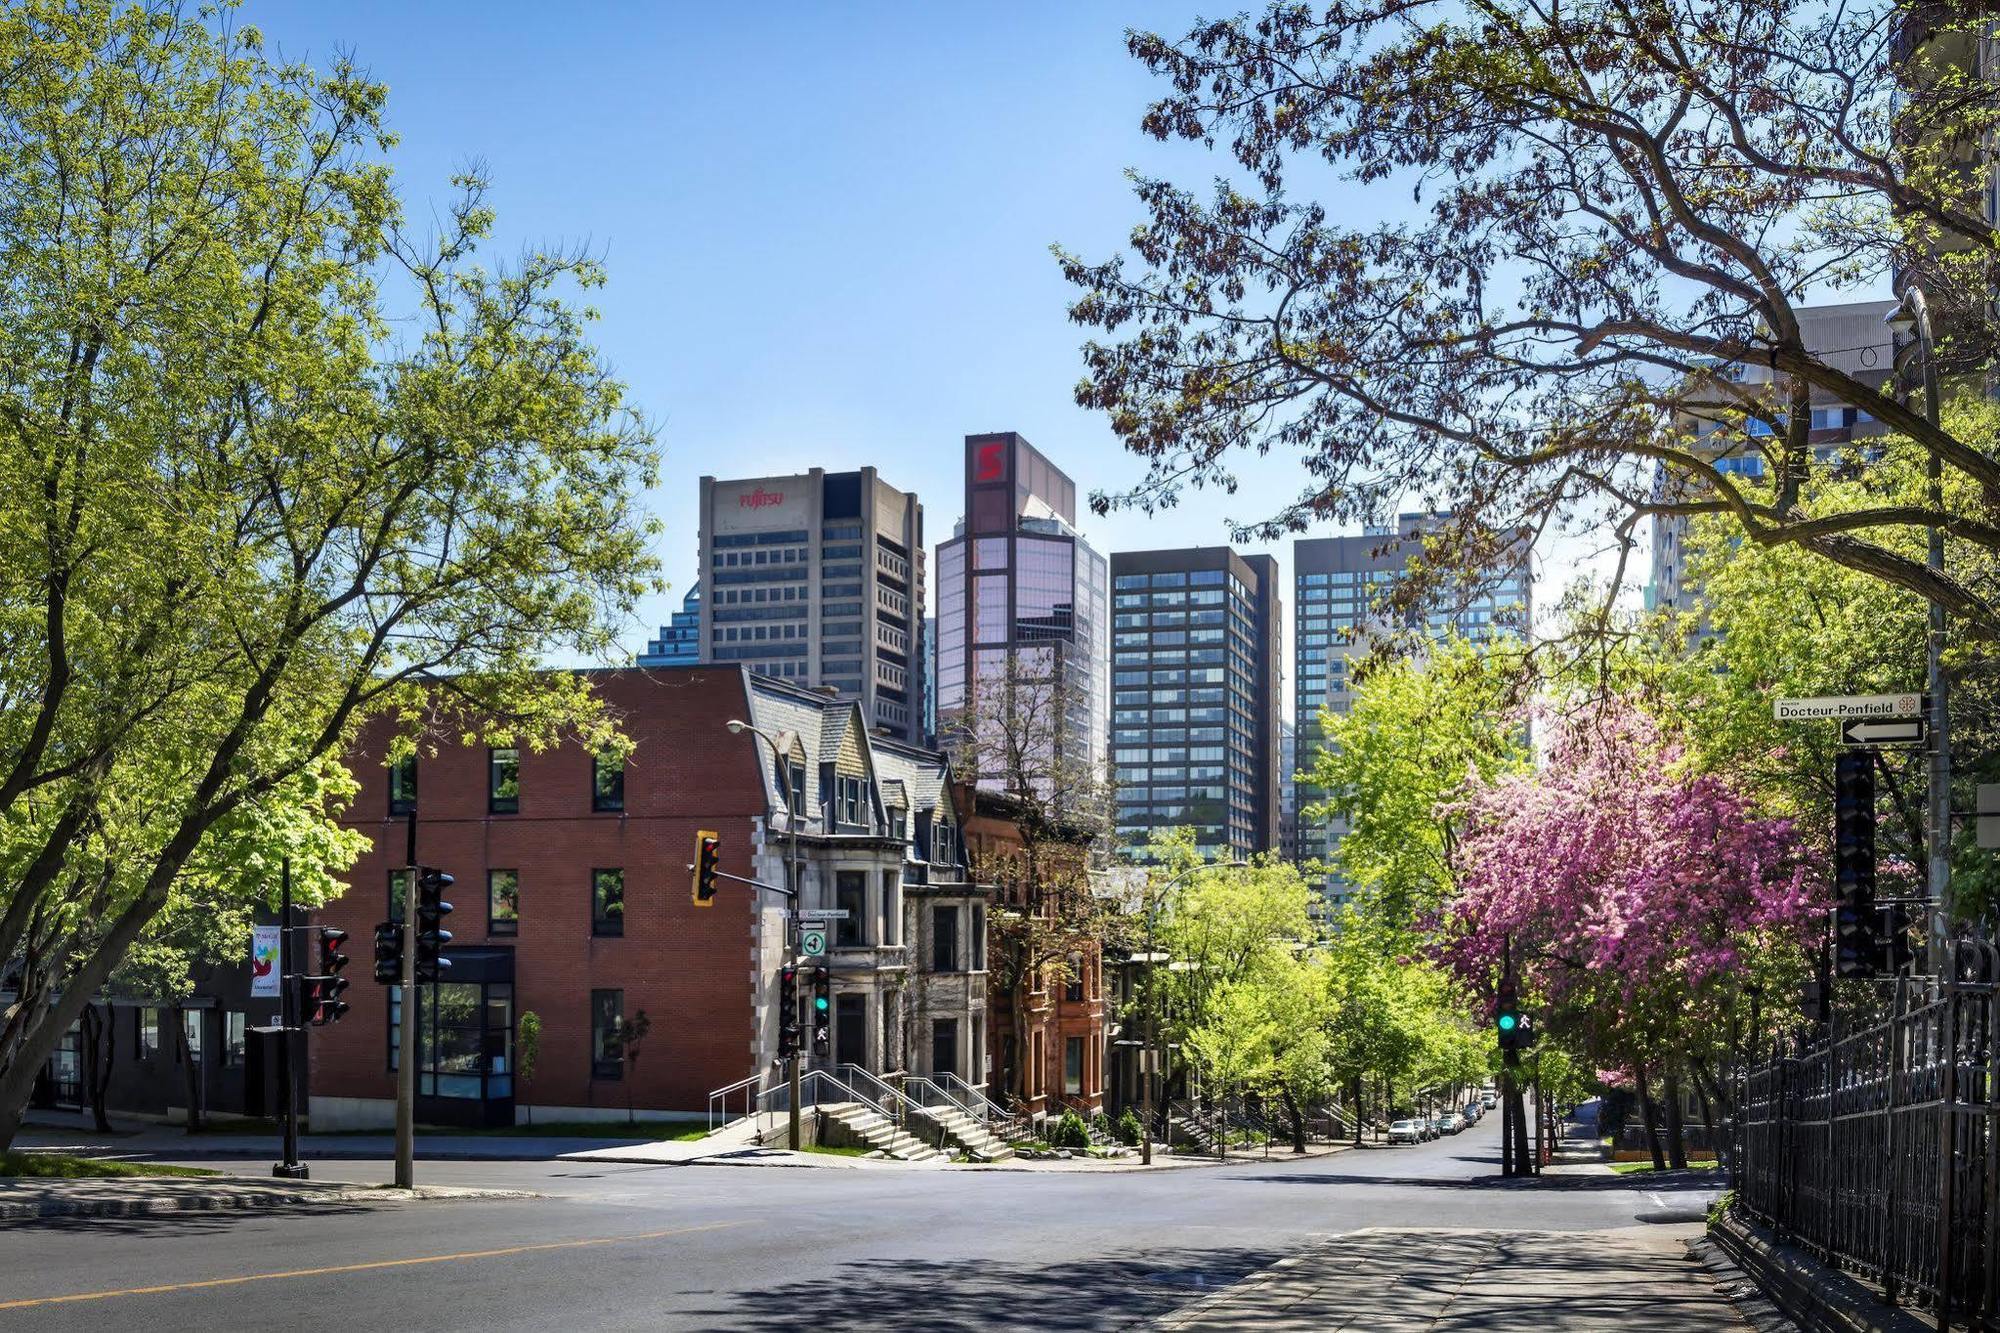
<point x="406" y="1064"/>
<point x="288" y="1025"/>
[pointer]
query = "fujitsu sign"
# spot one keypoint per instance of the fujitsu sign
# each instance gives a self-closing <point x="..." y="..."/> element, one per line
<point x="760" y="499"/>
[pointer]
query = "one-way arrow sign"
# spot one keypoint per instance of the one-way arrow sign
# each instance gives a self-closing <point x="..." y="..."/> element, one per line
<point x="1900" y="731"/>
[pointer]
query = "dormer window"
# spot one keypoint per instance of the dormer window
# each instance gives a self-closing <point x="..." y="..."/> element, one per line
<point x="852" y="807"/>
<point x="944" y="844"/>
<point x="899" y="825"/>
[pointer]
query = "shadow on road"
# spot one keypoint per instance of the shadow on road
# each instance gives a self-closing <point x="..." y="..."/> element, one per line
<point x="186" y="1222"/>
<point x="1111" y="1290"/>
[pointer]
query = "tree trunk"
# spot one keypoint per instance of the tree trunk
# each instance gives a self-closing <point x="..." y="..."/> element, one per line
<point x="1677" y="1155"/>
<point x="190" y="1068"/>
<point x="1646" y="1115"/>
<point x="1358" y="1095"/>
<point x="100" y="1049"/>
<point x="1298" y="1120"/>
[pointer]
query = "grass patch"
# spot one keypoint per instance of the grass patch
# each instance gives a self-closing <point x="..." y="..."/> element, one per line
<point x="1633" y="1168"/>
<point x="829" y="1151"/>
<point x="64" y="1166"/>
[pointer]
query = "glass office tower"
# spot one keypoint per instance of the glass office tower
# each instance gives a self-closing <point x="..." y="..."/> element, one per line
<point x="1196" y="689"/>
<point x="1018" y="582"/>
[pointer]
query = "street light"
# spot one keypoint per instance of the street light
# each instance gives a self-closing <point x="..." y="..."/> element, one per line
<point x="781" y="746"/>
<point x="1152" y="1001"/>
<point x="1913" y="315"/>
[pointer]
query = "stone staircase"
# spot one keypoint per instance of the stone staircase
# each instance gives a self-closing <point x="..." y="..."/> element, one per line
<point x="864" y="1126"/>
<point x="980" y="1143"/>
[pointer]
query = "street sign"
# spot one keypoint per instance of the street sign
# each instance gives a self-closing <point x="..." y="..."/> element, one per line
<point x="1895" y="731"/>
<point x="1989" y="814"/>
<point x="1838" y="708"/>
<point x="812" y="943"/>
<point x="822" y="914"/>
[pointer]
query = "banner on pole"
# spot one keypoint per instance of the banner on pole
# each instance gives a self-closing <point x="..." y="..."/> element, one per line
<point x="263" y="962"/>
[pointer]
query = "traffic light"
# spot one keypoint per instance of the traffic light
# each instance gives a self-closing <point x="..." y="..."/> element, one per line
<point x="432" y="909"/>
<point x="389" y="953"/>
<point x="788" y="1011"/>
<point x="1897" y="954"/>
<point x="1857" y="950"/>
<point x="707" y="852"/>
<point x="822" y="1014"/>
<point x="1509" y="1022"/>
<point x="319" y="994"/>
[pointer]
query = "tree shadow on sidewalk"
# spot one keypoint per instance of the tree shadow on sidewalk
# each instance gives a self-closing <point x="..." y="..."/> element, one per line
<point x="1113" y="1290"/>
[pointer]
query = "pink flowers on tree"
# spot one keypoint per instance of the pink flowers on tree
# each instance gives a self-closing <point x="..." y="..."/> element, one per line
<point x="1623" y="876"/>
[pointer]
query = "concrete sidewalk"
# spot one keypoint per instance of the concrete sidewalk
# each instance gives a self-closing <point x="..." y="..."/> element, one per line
<point x="137" y="1140"/>
<point x="1636" y="1280"/>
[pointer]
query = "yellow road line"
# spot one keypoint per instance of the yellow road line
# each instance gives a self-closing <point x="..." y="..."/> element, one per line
<point x="360" y="1268"/>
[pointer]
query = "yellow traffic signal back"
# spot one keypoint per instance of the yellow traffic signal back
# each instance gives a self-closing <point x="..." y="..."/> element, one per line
<point x="707" y="855"/>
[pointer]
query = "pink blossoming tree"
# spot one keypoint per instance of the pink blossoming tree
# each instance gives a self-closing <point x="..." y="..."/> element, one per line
<point x="1645" y="901"/>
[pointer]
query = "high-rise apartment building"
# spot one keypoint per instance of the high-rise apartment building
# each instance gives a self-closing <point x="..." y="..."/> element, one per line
<point x="679" y="643"/>
<point x="1337" y="585"/>
<point x="1017" y="581"/>
<point x="1197" y="686"/>
<point x="818" y="579"/>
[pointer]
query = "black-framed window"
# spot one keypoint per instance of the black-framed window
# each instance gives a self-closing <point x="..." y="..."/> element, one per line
<point x="892" y="907"/>
<point x="795" y="786"/>
<point x="944" y="939"/>
<point x="503" y="902"/>
<point x="944" y="843"/>
<point x="850" y="1029"/>
<point x="192" y="1025"/>
<point x="607" y="902"/>
<point x="607" y="1042"/>
<point x="607" y="784"/>
<point x="978" y="941"/>
<point x="232" y="1038"/>
<point x="403" y="786"/>
<point x="399" y="892"/>
<point x="503" y="781"/>
<point x="1073" y="1066"/>
<point x="1073" y="985"/>
<point x="149" y="1032"/>
<point x="850" y="894"/>
<point x="944" y="1045"/>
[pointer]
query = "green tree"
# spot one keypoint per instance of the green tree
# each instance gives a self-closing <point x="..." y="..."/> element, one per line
<point x="1393" y="765"/>
<point x="527" y="1052"/>
<point x="290" y="464"/>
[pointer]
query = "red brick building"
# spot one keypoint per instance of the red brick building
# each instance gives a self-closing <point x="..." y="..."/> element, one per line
<point x="572" y="902"/>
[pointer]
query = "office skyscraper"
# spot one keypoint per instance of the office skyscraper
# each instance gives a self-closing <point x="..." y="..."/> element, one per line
<point x="679" y="643"/>
<point x="1196" y="692"/>
<point x="1018" y="581"/>
<point x="1336" y="582"/>
<point x="819" y="578"/>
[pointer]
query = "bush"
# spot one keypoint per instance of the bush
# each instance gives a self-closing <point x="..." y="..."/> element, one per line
<point x="1070" y="1132"/>
<point x="1128" y="1129"/>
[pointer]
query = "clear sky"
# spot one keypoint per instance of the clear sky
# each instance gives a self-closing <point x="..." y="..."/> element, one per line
<point x="827" y="225"/>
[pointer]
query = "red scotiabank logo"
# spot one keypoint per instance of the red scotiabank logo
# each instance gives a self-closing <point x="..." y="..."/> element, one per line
<point x="759" y="499"/>
<point x="992" y="465"/>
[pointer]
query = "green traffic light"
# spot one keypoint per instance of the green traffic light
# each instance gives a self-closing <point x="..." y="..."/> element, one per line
<point x="820" y="1003"/>
<point x="1508" y="1022"/>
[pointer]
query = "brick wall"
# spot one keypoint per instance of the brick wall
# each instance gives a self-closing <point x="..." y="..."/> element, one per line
<point x="689" y="968"/>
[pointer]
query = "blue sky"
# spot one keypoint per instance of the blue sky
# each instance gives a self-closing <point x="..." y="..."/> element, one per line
<point x="827" y="225"/>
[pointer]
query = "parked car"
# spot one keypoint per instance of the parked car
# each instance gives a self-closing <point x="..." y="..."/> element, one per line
<point x="1489" y="1099"/>
<point x="1407" y="1131"/>
<point x="1472" y="1113"/>
<point x="1449" y="1123"/>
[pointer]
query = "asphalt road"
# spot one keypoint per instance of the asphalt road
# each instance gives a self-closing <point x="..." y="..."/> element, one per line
<point x="630" y="1247"/>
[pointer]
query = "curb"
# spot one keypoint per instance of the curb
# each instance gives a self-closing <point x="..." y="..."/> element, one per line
<point x="1815" y="1297"/>
<point x="49" y="1208"/>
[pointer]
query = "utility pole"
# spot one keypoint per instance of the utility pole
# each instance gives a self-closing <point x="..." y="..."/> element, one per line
<point x="1152" y="1036"/>
<point x="406" y="1063"/>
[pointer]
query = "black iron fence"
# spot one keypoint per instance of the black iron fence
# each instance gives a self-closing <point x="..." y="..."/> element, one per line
<point x="1876" y="1150"/>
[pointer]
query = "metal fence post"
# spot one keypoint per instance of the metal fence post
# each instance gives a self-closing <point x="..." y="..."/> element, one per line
<point x="1947" y="1098"/>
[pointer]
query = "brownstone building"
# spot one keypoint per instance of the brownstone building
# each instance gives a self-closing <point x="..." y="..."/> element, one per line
<point x="1054" y="1057"/>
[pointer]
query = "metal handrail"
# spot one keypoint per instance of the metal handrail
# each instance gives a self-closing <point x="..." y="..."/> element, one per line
<point x="718" y="1100"/>
<point x="974" y="1102"/>
<point x="816" y="1086"/>
<point x="929" y="1095"/>
<point x="886" y="1093"/>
